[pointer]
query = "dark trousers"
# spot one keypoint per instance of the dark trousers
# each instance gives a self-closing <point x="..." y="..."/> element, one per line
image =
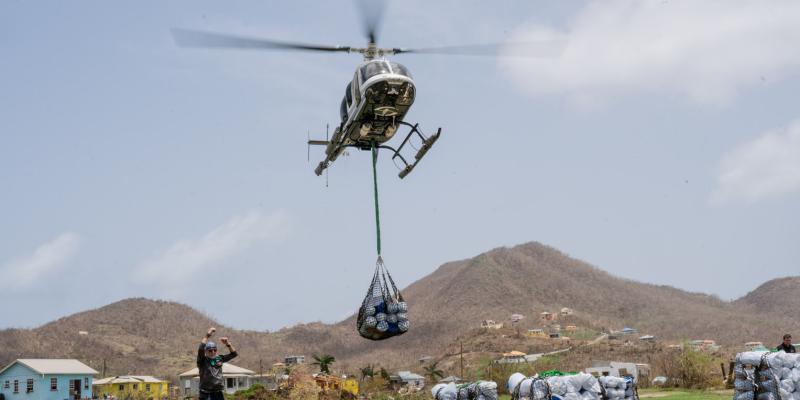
<point x="211" y="396"/>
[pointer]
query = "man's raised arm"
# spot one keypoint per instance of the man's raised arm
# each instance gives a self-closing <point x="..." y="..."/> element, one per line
<point x="231" y="351"/>
<point x="202" y="348"/>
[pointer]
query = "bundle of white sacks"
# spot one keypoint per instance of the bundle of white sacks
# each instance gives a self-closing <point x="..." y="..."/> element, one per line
<point x="480" y="390"/>
<point x="390" y="316"/>
<point x="763" y="375"/>
<point x="580" y="386"/>
<point x="617" y="388"/>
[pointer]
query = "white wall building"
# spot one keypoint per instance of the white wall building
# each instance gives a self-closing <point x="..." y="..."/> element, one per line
<point x="236" y="378"/>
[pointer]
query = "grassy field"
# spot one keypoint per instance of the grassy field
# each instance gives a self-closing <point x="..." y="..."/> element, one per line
<point x="676" y="395"/>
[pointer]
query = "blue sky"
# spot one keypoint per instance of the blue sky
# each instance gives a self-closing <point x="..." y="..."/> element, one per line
<point x="662" y="145"/>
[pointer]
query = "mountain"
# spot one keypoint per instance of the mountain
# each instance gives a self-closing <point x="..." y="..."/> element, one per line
<point x="779" y="296"/>
<point x="157" y="337"/>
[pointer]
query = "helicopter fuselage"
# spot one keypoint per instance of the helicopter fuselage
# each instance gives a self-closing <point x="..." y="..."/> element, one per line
<point x="375" y="102"/>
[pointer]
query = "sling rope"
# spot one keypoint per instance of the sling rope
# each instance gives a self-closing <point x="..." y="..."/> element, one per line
<point x="375" y="186"/>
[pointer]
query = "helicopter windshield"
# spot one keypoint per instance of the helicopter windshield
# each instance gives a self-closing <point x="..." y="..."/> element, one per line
<point x="373" y="68"/>
<point x="399" y="69"/>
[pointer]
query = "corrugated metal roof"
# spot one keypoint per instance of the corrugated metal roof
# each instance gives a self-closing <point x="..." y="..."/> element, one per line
<point x="54" y="366"/>
<point x="227" y="369"/>
<point x="128" y="379"/>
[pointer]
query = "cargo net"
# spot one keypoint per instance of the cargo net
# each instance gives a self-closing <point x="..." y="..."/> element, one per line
<point x="764" y="375"/>
<point x="383" y="312"/>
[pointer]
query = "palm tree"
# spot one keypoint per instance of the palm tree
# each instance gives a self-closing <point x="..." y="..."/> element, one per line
<point x="432" y="372"/>
<point x="385" y="374"/>
<point x="368" y="371"/>
<point x="324" y="361"/>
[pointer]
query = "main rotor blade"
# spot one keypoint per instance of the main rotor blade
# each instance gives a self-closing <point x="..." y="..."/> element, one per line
<point x="371" y="16"/>
<point x="192" y="38"/>
<point x="538" y="49"/>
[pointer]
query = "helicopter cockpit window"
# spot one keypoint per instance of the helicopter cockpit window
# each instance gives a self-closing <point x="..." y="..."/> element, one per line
<point x="374" y="68"/>
<point x="348" y="94"/>
<point x="400" y="69"/>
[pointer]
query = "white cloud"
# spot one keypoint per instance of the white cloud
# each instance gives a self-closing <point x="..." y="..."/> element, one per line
<point x="768" y="166"/>
<point x="184" y="259"/>
<point x="707" y="50"/>
<point x="26" y="272"/>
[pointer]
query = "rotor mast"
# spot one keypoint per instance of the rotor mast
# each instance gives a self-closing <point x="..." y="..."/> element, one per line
<point x="372" y="51"/>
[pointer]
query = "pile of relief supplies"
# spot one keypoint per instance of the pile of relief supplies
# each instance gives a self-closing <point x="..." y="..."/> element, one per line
<point x="580" y="386"/>
<point x="480" y="390"/>
<point x="616" y="388"/>
<point x="762" y="375"/>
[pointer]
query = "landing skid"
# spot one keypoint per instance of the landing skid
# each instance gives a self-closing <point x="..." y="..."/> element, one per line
<point x="427" y="143"/>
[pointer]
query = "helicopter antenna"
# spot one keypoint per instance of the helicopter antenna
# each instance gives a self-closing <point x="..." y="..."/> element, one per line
<point x="308" y="147"/>
<point x="327" y="128"/>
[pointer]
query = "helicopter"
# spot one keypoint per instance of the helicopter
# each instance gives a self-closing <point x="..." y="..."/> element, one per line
<point x="376" y="100"/>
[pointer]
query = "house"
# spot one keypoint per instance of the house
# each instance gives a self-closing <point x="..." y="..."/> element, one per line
<point x="566" y="311"/>
<point x="236" y="378"/>
<point x="546" y="316"/>
<point x="490" y="324"/>
<point x="536" y="333"/>
<point x="629" y="331"/>
<point x="704" y="345"/>
<point x="516" y="318"/>
<point x="755" y="346"/>
<point x="408" y="380"/>
<point x="571" y="328"/>
<point x="142" y="387"/>
<point x="424" y="359"/>
<point x="294" y="360"/>
<point x="512" y="357"/>
<point x="617" y="368"/>
<point x="647" y="338"/>
<point x="46" y="379"/>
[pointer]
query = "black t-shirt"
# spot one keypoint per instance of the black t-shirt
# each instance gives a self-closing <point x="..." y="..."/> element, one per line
<point x="210" y="370"/>
<point x="788" y="349"/>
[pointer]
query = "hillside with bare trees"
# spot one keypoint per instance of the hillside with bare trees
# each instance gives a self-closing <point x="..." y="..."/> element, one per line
<point x="157" y="337"/>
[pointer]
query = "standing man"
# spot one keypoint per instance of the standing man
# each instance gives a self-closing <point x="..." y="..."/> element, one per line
<point x="787" y="344"/>
<point x="209" y="366"/>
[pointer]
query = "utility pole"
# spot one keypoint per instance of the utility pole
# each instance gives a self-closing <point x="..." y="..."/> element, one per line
<point x="461" y="356"/>
<point x="261" y="368"/>
<point x="104" y="368"/>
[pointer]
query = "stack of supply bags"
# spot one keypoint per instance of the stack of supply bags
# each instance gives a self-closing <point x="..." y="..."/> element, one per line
<point x="383" y="313"/>
<point x="579" y="386"/>
<point x="480" y="390"/>
<point x="617" y="388"/>
<point x="762" y="375"/>
<point x="444" y="391"/>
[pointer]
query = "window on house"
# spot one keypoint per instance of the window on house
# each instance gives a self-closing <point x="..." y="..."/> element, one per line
<point x="71" y="385"/>
<point x="147" y="387"/>
<point x="5" y="385"/>
<point x="16" y="386"/>
<point x="230" y="383"/>
<point x="135" y="386"/>
<point x="29" y="386"/>
<point x="86" y="383"/>
<point x="53" y="383"/>
<point x="121" y="387"/>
